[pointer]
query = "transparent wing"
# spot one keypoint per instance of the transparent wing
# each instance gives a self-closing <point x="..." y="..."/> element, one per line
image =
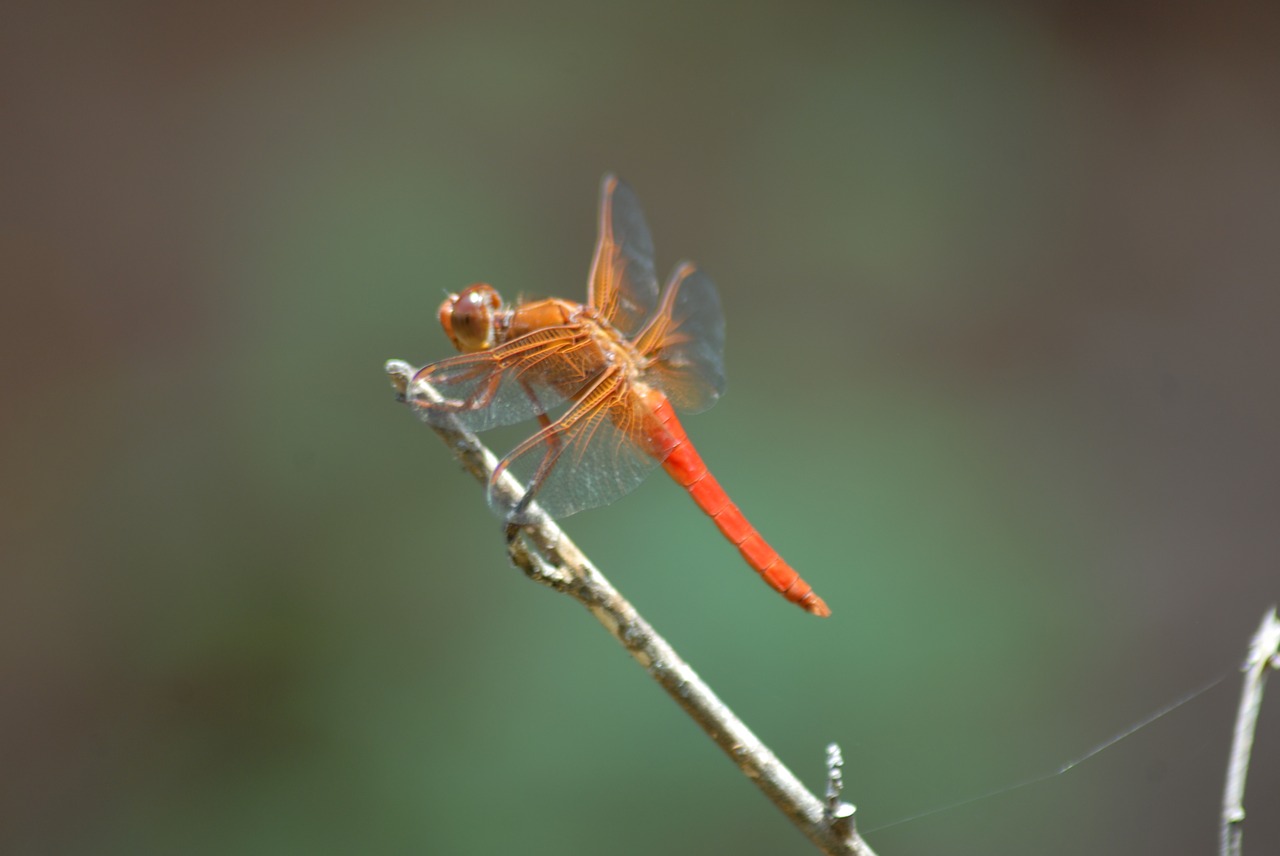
<point x="623" y="284"/>
<point x="588" y="458"/>
<point x="507" y="384"/>
<point x="685" y="341"/>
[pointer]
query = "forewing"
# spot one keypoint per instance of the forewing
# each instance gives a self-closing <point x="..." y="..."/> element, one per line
<point x="623" y="284"/>
<point x="685" y="341"/>
<point x="586" y="459"/>
<point x="504" y="385"/>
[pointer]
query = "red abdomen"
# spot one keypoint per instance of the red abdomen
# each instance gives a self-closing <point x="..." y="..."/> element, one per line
<point x="685" y="465"/>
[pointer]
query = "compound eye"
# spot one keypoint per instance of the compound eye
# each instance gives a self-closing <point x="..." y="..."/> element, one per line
<point x="468" y="317"/>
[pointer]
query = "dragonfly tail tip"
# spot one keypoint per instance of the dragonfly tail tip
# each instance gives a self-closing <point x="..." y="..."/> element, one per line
<point x="815" y="605"/>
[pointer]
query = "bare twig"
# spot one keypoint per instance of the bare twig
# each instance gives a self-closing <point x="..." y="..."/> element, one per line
<point x="839" y="812"/>
<point x="555" y="561"/>
<point x="1264" y="654"/>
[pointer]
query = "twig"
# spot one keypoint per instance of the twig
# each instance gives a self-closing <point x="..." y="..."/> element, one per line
<point x="839" y="813"/>
<point x="555" y="561"/>
<point x="1264" y="654"/>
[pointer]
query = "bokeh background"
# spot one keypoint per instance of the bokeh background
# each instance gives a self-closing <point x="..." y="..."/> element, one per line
<point x="1002" y="284"/>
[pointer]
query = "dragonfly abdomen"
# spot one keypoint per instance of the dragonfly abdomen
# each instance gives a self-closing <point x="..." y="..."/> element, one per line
<point x="685" y="465"/>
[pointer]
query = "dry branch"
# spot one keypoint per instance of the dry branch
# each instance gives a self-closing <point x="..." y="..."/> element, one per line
<point x="555" y="561"/>
<point x="1264" y="654"/>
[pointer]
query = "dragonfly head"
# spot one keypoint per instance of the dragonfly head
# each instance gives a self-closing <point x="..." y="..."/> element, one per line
<point x="468" y="317"/>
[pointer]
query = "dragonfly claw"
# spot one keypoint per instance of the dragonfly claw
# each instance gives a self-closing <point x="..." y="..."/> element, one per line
<point x="512" y="533"/>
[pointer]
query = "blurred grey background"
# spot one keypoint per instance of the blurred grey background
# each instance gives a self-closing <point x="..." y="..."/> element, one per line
<point x="1002" y="284"/>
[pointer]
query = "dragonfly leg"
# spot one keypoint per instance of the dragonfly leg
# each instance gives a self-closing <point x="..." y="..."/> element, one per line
<point x="511" y="531"/>
<point x="518" y="515"/>
<point x="478" y="399"/>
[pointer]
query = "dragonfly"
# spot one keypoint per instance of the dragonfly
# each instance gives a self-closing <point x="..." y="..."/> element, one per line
<point x="603" y="380"/>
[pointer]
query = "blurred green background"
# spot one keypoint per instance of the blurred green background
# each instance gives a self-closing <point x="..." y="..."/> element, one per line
<point x="1002" y="287"/>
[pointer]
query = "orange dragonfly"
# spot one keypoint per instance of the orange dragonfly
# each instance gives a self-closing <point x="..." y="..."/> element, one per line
<point x="618" y="363"/>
